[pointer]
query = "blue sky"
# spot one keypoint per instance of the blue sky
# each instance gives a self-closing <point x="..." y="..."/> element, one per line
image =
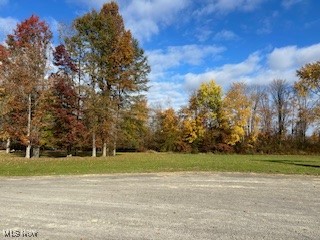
<point x="193" y="41"/>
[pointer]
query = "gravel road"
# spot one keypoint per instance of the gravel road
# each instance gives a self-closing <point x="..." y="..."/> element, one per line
<point x="161" y="206"/>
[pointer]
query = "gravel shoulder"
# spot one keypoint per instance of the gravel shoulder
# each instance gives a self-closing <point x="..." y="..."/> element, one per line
<point x="162" y="206"/>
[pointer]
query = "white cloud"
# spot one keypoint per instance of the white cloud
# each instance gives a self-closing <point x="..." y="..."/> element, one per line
<point x="289" y="3"/>
<point x="89" y="3"/>
<point x="266" y="24"/>
<point x="225" y="35"/>
<point x="292" y="57"/>
<point x="144" y="17"/>
<point x="226" y="6"/>
<point x="258" y="68"/>
<point x="174" y="56"/>
<point x="167" y="88"/>
<point x="175" y="90"/>
<point x="167" y="94"/>
<point x="226" y="74"/>
<point x="245" y="5"/>
<point x="6" y="27"/>
<point x="280" y="63"/>
<point x="203" y="34"/>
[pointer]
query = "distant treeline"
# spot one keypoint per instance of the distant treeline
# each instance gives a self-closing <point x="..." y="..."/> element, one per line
<point x="278" y="118"/>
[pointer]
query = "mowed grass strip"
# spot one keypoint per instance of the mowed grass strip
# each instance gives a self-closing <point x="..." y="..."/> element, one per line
<point x="12" y="165"/>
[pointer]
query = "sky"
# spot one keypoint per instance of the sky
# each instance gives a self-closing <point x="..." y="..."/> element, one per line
<point x="189" y="42"/>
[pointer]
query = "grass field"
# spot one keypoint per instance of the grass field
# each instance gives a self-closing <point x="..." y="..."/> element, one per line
<point x="13" y="165"/>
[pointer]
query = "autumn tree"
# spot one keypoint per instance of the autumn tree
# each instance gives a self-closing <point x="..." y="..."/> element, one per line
<point x="309" y="79"/>
<point x="303" y="115"/>
<point x="115" y="64"/>
<point x="62" y="59"/>
<point x="308" y="88"/>
<point x="192" y="129"/>
<point x="28" y="47"/>
<point x="208" y="101"/>
<point x="280" y="93"/>
<point x="265" y="112"/>
<point x="236" y="106"/>
<point x="255" y="93"/>
<point x="134" y="125"/>
<point x="168" y="132"/>
<point x="59" y="116"/>
<point x="73" y="50"/>
<point x="206" y="105"/>
<point x="8" y="126"/>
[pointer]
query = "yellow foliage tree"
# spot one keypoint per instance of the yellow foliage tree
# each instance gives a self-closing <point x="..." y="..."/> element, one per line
<point x="236" y="108"/>
<point x="309" y="86"/>
<point x="169" y="130"/>
<point x="192" y="129"/>
<point x="309" y="79"/>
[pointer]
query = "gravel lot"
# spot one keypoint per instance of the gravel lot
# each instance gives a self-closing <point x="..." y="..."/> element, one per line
<point x="161" y="206"/>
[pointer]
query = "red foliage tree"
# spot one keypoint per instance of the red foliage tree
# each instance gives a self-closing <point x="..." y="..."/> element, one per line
<point x="67" y="131"/>
<point x="27" y="48"/>
<point x="62" y="59"/>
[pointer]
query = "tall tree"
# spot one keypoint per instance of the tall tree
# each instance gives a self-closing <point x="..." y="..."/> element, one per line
<point x="28" y="47"/>
<point x="168" y="132"/>
<point x="59" y="114"/>
<point x="192" y="129"/>
<point x="308" y="89"/>
<point x="206" y="103"/>
<point x="303" y="116"/>
<point x="265" y="112"/>
<point x="309" y="79"/>
<point x="236" y="105"/>
<point x="9" y="126"/>
<point x="255" y="94"/>
<point x="280" y="93"/>
<point x="115" y="63"/>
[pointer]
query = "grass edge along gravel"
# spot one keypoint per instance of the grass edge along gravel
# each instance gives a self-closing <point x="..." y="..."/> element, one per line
<point x="13" y="165"/>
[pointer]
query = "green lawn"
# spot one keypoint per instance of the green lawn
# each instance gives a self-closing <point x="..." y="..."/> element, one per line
<point x="13" y="165"/>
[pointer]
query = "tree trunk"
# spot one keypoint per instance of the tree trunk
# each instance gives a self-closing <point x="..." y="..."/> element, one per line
<point x="8" y="145"/>
<point x="28" y="149"/>
<point x="104" y="150"/>
<point x="115" y="137"/>
<point x="94" y="148"/>
<point x="114" y="152"/>
<point x="36" y="152"/>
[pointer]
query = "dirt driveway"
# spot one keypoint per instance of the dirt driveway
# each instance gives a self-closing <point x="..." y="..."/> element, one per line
<point x="161" y="206"/>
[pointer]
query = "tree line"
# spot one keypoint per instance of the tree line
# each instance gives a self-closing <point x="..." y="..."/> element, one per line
<point x="88" y="93"/>
<point x="275" y="118"/>
<point x="76" y="95"/>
